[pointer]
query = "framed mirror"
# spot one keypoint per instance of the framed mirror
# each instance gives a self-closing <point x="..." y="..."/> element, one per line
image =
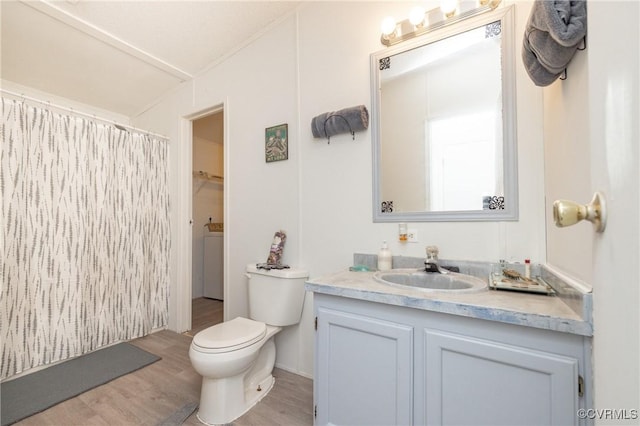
<point x="444" y="124"/>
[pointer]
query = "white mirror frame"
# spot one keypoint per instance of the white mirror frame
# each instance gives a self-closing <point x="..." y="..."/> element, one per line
<point x="510" y="158"/>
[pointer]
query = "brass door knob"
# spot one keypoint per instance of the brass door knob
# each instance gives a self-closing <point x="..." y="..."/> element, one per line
<point x="567" y="213"/>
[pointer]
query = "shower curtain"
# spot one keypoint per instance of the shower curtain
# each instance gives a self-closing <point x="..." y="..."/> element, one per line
<point x="85" y="236"/>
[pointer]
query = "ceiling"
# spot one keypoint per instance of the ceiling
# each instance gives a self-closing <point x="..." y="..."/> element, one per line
<point x="122" y="56"/>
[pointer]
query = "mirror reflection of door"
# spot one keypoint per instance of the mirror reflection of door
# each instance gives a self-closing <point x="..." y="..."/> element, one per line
<point x="463" y="161"/>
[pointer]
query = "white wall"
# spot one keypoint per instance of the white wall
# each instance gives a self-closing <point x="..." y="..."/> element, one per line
<point x="339" y="209"/>
<point x="313" y="62"/>
<point x="568" y="166"/>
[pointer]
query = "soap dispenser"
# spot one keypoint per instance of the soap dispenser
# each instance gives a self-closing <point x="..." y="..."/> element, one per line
<point x="384" y="258"/>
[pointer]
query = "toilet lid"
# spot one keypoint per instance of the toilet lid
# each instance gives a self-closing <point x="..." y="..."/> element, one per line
<point x="230" y="335"/>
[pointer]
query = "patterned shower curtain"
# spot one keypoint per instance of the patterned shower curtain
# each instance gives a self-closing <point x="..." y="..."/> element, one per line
<point x="85" y="236"/>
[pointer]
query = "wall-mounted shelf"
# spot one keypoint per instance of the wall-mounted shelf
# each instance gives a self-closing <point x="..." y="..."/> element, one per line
<point x="205" y="177"/>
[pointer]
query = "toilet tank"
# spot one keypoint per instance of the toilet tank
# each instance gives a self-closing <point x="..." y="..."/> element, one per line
<point x="276" y="296"/>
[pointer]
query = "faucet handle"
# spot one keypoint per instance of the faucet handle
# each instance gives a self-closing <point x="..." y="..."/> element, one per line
<point x="432" y="252"/>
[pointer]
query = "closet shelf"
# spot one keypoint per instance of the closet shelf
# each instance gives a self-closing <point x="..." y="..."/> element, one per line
<point x="205" y="177"/>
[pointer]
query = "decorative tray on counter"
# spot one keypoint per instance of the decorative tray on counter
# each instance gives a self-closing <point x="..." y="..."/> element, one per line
<point x="507" y="280"/>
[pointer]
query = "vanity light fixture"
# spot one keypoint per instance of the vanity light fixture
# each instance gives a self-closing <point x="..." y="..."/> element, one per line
<point x="448" y="7"/>
<point x="388" y="27"/>
<point x="416" y="17"/>
<point x="421" y="22"/>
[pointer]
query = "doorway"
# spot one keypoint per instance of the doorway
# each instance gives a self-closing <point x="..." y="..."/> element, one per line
<point x="207" y="213"/>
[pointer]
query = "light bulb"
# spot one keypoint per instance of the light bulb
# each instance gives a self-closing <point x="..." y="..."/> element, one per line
<point x="388" y="26"/>
<point x="416" y="16"/>
<point x="448" y="7"/>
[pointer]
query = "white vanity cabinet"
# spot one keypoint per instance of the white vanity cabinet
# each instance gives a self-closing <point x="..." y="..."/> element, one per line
<point x="378" y="364"/>
<point x="470" y="380"/>
<point x="366" y="366"/>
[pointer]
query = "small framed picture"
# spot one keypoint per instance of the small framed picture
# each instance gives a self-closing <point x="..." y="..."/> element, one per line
<point x="276" y="143"/>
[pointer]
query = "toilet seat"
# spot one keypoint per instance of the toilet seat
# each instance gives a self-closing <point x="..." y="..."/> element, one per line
<point x="229" y="336"/>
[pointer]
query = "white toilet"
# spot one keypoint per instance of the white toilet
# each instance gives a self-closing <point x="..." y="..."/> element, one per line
<point x="236" y="358"/>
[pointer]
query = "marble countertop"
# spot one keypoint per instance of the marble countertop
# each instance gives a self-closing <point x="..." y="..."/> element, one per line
<point x="531" y="310"/>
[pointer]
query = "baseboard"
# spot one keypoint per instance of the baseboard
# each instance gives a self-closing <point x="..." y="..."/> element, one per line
<point x="290" y="370"/>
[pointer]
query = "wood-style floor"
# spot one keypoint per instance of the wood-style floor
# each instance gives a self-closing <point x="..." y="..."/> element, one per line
<point x="152" y="394"/>
<point x="204" y="313"/>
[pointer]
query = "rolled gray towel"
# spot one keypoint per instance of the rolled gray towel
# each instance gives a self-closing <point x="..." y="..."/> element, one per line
<point x="554" y="32"/>
<point x="346" y="120"/>
<point x="564" y="20"/>
<point x="539" y="74"/>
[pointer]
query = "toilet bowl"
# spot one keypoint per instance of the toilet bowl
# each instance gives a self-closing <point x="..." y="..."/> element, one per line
<point x="236" y="371"/>
<point x="236" y="358"/>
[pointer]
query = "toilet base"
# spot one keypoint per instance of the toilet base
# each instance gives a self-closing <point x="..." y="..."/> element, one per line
<point x="252" y="397"/>
<point x="224" y="399"/>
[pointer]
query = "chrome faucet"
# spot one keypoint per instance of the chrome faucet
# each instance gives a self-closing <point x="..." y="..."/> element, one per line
<point x="431" y="262"/>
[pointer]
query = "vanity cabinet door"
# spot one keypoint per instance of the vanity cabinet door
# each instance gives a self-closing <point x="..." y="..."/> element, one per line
<point x="364" y="370"/>
<point x="469" y="380"/>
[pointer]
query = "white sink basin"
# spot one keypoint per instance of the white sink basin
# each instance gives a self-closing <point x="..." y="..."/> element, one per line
<point x="431" y="281"/>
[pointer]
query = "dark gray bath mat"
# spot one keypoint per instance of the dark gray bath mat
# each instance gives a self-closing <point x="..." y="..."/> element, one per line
<point x="38" y="391"/>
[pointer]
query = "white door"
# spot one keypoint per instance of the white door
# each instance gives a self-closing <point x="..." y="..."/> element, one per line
<point x="614" y="88"/>
<point x="592" y="144"/>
